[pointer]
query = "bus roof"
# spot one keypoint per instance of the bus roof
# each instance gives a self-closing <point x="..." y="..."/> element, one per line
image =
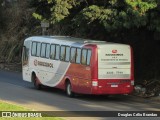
<point x="68" y="39"/>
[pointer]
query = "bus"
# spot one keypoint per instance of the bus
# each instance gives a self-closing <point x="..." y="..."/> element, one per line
<point x="78" y="65"/>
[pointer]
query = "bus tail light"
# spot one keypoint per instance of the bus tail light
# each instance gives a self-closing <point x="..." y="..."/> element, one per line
<point x="94" y="83"/>
<point x="132" y="82"/>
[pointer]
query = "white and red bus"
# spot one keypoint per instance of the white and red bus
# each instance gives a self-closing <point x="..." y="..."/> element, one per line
<point x="78" y="65"/>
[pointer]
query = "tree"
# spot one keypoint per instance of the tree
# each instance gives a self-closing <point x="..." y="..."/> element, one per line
<point x="18" y="23"/>
<point x="110" y="14"/>
<point x="1" y="14"/>
<point x="127" y="21"/>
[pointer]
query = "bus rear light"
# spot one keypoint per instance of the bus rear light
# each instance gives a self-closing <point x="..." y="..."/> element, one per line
<point x="94" y="83"/>
<point x="128" y="86"/>
<point x="100" y="86"/>
<point x="132" y="82"/>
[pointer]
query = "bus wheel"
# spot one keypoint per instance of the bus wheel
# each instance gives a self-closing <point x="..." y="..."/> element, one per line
<point x="37" y="85"/>
<point x="69" y="90"/>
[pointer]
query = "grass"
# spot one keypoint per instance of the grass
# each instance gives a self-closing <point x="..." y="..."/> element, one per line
<point x="11" y="107"/>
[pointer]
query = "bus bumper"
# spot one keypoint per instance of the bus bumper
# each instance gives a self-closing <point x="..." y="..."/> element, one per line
<point x="113" y="87"/>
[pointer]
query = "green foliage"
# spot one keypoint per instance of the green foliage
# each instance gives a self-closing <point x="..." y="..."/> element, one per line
<point x="111" y="14"/>
<point x="154" y="18"/>
<point x="140" y="6"/>
<point x="126" y="21"/>
<point x="94" y="12"/>
<point x="37" y="16"/>
<point x="139" y="11"/>
<point x="133" y="13"/>
<point x="59" y="9"/>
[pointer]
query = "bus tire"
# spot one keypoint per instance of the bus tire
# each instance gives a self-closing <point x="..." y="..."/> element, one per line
<point x="69" y="90"/>
<point x="37" y="85"/>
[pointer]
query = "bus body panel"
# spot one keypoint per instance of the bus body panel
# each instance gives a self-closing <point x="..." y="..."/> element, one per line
<point x="50" y="73"/>
<point x="115" y="70"/>
<point x="114" y="62"/>
<point x="80" y="75"/>
<point x="110" y="70"/>
<point x="80" y="78"/>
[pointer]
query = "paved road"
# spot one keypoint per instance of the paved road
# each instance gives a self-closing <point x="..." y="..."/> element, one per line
<point x="15" y="90"/>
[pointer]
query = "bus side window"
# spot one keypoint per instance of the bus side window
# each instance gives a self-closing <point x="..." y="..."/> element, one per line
<point x="89" y="57"/>
<point x="47" y="50"/>
<point x="73" y="55"/>
<point x="57" y="52"/>
<point x="43" y="50"/>
<point x="38" y="49"/>
<point x="52" y="52"/>
<point x="84" y="56"/>
<point x="62" y="53"/>
<point x="34" y="48"/>
<point x="67" y="54"/>
<point x="78" y="56"/>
